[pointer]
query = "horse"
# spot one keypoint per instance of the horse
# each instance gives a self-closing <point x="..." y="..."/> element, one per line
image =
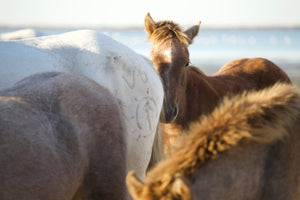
<point x="189" y="93"/>
<point x="127" y="75"/>
<point x="61" y="137"/>
<point x="247" y="148"/>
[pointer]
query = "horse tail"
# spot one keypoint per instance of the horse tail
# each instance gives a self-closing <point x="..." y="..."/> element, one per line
<point x="158" y="145"/>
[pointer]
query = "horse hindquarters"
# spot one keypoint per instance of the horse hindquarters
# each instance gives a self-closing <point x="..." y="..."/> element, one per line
<point x="61" y="137"/>
<point x="282" y="169"/>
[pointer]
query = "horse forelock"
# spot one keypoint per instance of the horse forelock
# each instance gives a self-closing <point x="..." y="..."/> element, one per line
<point x="167" y="30"/>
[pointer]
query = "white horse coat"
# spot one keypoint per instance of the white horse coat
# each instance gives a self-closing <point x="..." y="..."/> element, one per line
<point x="126" y="74"/>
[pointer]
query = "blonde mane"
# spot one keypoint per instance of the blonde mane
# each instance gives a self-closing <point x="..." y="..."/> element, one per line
<point x="262" y="116"/>
<point x="166" y="30"/>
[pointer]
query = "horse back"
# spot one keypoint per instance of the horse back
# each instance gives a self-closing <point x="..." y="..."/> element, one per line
<point x="261" y="71"/>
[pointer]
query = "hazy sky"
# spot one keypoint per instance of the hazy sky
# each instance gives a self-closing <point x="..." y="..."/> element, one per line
<point x="114" y="13"/>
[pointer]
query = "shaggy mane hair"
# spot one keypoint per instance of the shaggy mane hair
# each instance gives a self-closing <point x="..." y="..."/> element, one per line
<point x="166" y="30"/>
<point x="264" y="116"/>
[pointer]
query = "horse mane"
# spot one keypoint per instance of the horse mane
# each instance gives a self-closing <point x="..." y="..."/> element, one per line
<point x="263" y="116"/>
<point x="166" y="30"/>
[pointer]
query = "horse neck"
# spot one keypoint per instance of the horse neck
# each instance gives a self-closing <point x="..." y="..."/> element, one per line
<point x="201" y="96"/>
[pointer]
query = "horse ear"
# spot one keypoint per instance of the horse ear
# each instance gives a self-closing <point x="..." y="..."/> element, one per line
<point x="192" y="32"/>
<point x="149" y="24"/>
<point x="181" y="188"/>
<point x="134" y="185"/>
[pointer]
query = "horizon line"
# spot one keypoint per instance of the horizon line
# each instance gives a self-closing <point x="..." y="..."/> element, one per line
<point x="139" y="27"/>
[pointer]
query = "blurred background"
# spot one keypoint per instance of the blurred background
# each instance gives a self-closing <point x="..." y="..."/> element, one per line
<point x="229" y="30"/>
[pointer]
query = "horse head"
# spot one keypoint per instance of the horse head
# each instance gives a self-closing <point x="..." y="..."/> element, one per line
<point x="170" y="56"/>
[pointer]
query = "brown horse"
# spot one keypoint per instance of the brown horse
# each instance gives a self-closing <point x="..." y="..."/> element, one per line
<point x="189" y="93"/>
<point x="248" y="148"/>
<point x="61" y="137"/>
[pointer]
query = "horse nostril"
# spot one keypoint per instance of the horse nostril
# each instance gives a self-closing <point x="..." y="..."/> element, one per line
<point x="170" y="113"/>
<point x="175" y="111"/>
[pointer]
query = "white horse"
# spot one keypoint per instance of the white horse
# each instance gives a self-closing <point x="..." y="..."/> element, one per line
<point x="127" y="75"/>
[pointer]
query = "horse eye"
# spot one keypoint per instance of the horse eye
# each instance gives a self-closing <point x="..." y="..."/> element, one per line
<point x="187" y="64"/>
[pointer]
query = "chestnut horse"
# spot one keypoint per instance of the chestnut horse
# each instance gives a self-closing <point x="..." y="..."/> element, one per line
<point x="189" y="93"/>
<point x="248" y="148"/>
<point x="61" y="137"/>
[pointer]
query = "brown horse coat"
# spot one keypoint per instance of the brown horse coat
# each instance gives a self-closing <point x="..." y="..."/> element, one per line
<point x="61" y="137"/>
<point x="246" y="149"/>
<point x="189" y="93"/>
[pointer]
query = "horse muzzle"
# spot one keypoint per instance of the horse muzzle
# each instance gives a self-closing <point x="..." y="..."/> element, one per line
<point x="170" y="112"/>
